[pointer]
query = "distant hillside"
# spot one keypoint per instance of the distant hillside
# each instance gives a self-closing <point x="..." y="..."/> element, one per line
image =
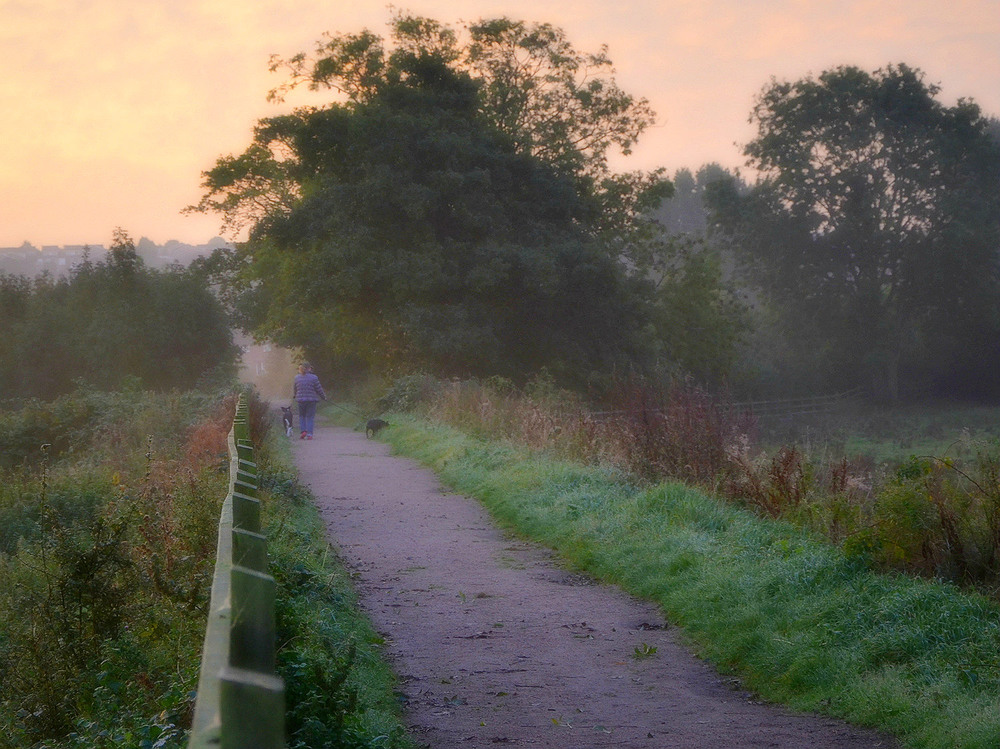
<point x="28" y="260"/>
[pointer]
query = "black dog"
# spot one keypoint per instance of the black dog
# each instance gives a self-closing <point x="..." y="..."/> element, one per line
<point x="286" y="419"/>
<point x="373" y="427"/>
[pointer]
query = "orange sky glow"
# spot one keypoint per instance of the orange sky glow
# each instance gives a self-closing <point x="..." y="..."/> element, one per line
<point x="111" y="110"/>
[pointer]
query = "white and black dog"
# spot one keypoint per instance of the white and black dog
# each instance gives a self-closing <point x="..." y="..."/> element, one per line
<point x="286" y="419"/>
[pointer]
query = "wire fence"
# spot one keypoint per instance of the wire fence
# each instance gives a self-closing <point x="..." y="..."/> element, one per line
<point x="786" y="407"/>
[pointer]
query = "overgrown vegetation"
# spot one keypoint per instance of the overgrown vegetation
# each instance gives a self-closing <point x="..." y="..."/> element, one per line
<point x="106" y="553"/>
<point x="109" y="512"/>
<point x="933" y="515"/>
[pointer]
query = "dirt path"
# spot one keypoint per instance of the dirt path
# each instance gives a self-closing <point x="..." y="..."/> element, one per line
<point x="495" y="643"/>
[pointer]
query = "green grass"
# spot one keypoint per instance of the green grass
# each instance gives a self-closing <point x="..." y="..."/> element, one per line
<point x="890" y="435"/>
<point x="796" y="619"/>
<point x="939" y="429"/>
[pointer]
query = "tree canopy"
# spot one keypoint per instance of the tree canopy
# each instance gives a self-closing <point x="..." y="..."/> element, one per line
<point x="552" y="101"/>
<point x="875" y="224"/>
<point x="447" y="210"/>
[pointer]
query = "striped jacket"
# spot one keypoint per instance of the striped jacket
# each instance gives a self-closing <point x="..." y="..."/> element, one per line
<point x="307" y="388"/>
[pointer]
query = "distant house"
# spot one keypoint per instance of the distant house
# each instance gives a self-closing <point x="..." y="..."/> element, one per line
<point x="28" y="260"/>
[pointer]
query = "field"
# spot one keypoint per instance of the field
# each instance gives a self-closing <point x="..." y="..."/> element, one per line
<point x="888" y="434"/>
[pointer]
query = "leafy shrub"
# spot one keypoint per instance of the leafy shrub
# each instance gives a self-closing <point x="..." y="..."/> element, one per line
<point x="407" y="392"/>
<point x="906" y="521"/>
<point x="108" y="550"/>
<point x="943" y="519"/>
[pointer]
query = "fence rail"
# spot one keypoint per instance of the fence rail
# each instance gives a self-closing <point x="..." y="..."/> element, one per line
<point x="799" y="406"/>
<point x="241" y="700"/>
<point x="784" y="407"/>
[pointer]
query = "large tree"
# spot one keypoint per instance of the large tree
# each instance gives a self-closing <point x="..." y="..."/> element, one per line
<point x="549" y="99"/>
<point x="875" y="223"/>
<point x="418" y="220"/>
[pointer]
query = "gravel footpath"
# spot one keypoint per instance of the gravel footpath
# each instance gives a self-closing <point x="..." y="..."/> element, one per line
<point x="495" y="643"/>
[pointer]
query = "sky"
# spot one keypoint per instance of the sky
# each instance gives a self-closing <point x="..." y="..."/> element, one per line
<point x="112" y="109"/>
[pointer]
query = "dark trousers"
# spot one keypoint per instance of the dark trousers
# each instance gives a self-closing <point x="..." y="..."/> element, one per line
<point x="307" y="415"/>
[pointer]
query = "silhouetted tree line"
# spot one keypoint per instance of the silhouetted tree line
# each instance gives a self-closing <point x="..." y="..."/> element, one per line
<point x="871" y="238"/>
<point x="453" y="210"/>
<point x="108" y="322"/>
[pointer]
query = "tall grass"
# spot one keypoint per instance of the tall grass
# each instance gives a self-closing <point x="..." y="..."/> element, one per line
<point x="929" y="516"/>
<point x="105" y="557"/>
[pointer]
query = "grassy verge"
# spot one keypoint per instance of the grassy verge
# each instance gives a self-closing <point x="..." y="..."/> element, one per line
<point x="795" y="618"/>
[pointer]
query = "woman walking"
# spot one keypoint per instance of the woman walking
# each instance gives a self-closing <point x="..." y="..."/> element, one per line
<point x="307" y="392"/>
